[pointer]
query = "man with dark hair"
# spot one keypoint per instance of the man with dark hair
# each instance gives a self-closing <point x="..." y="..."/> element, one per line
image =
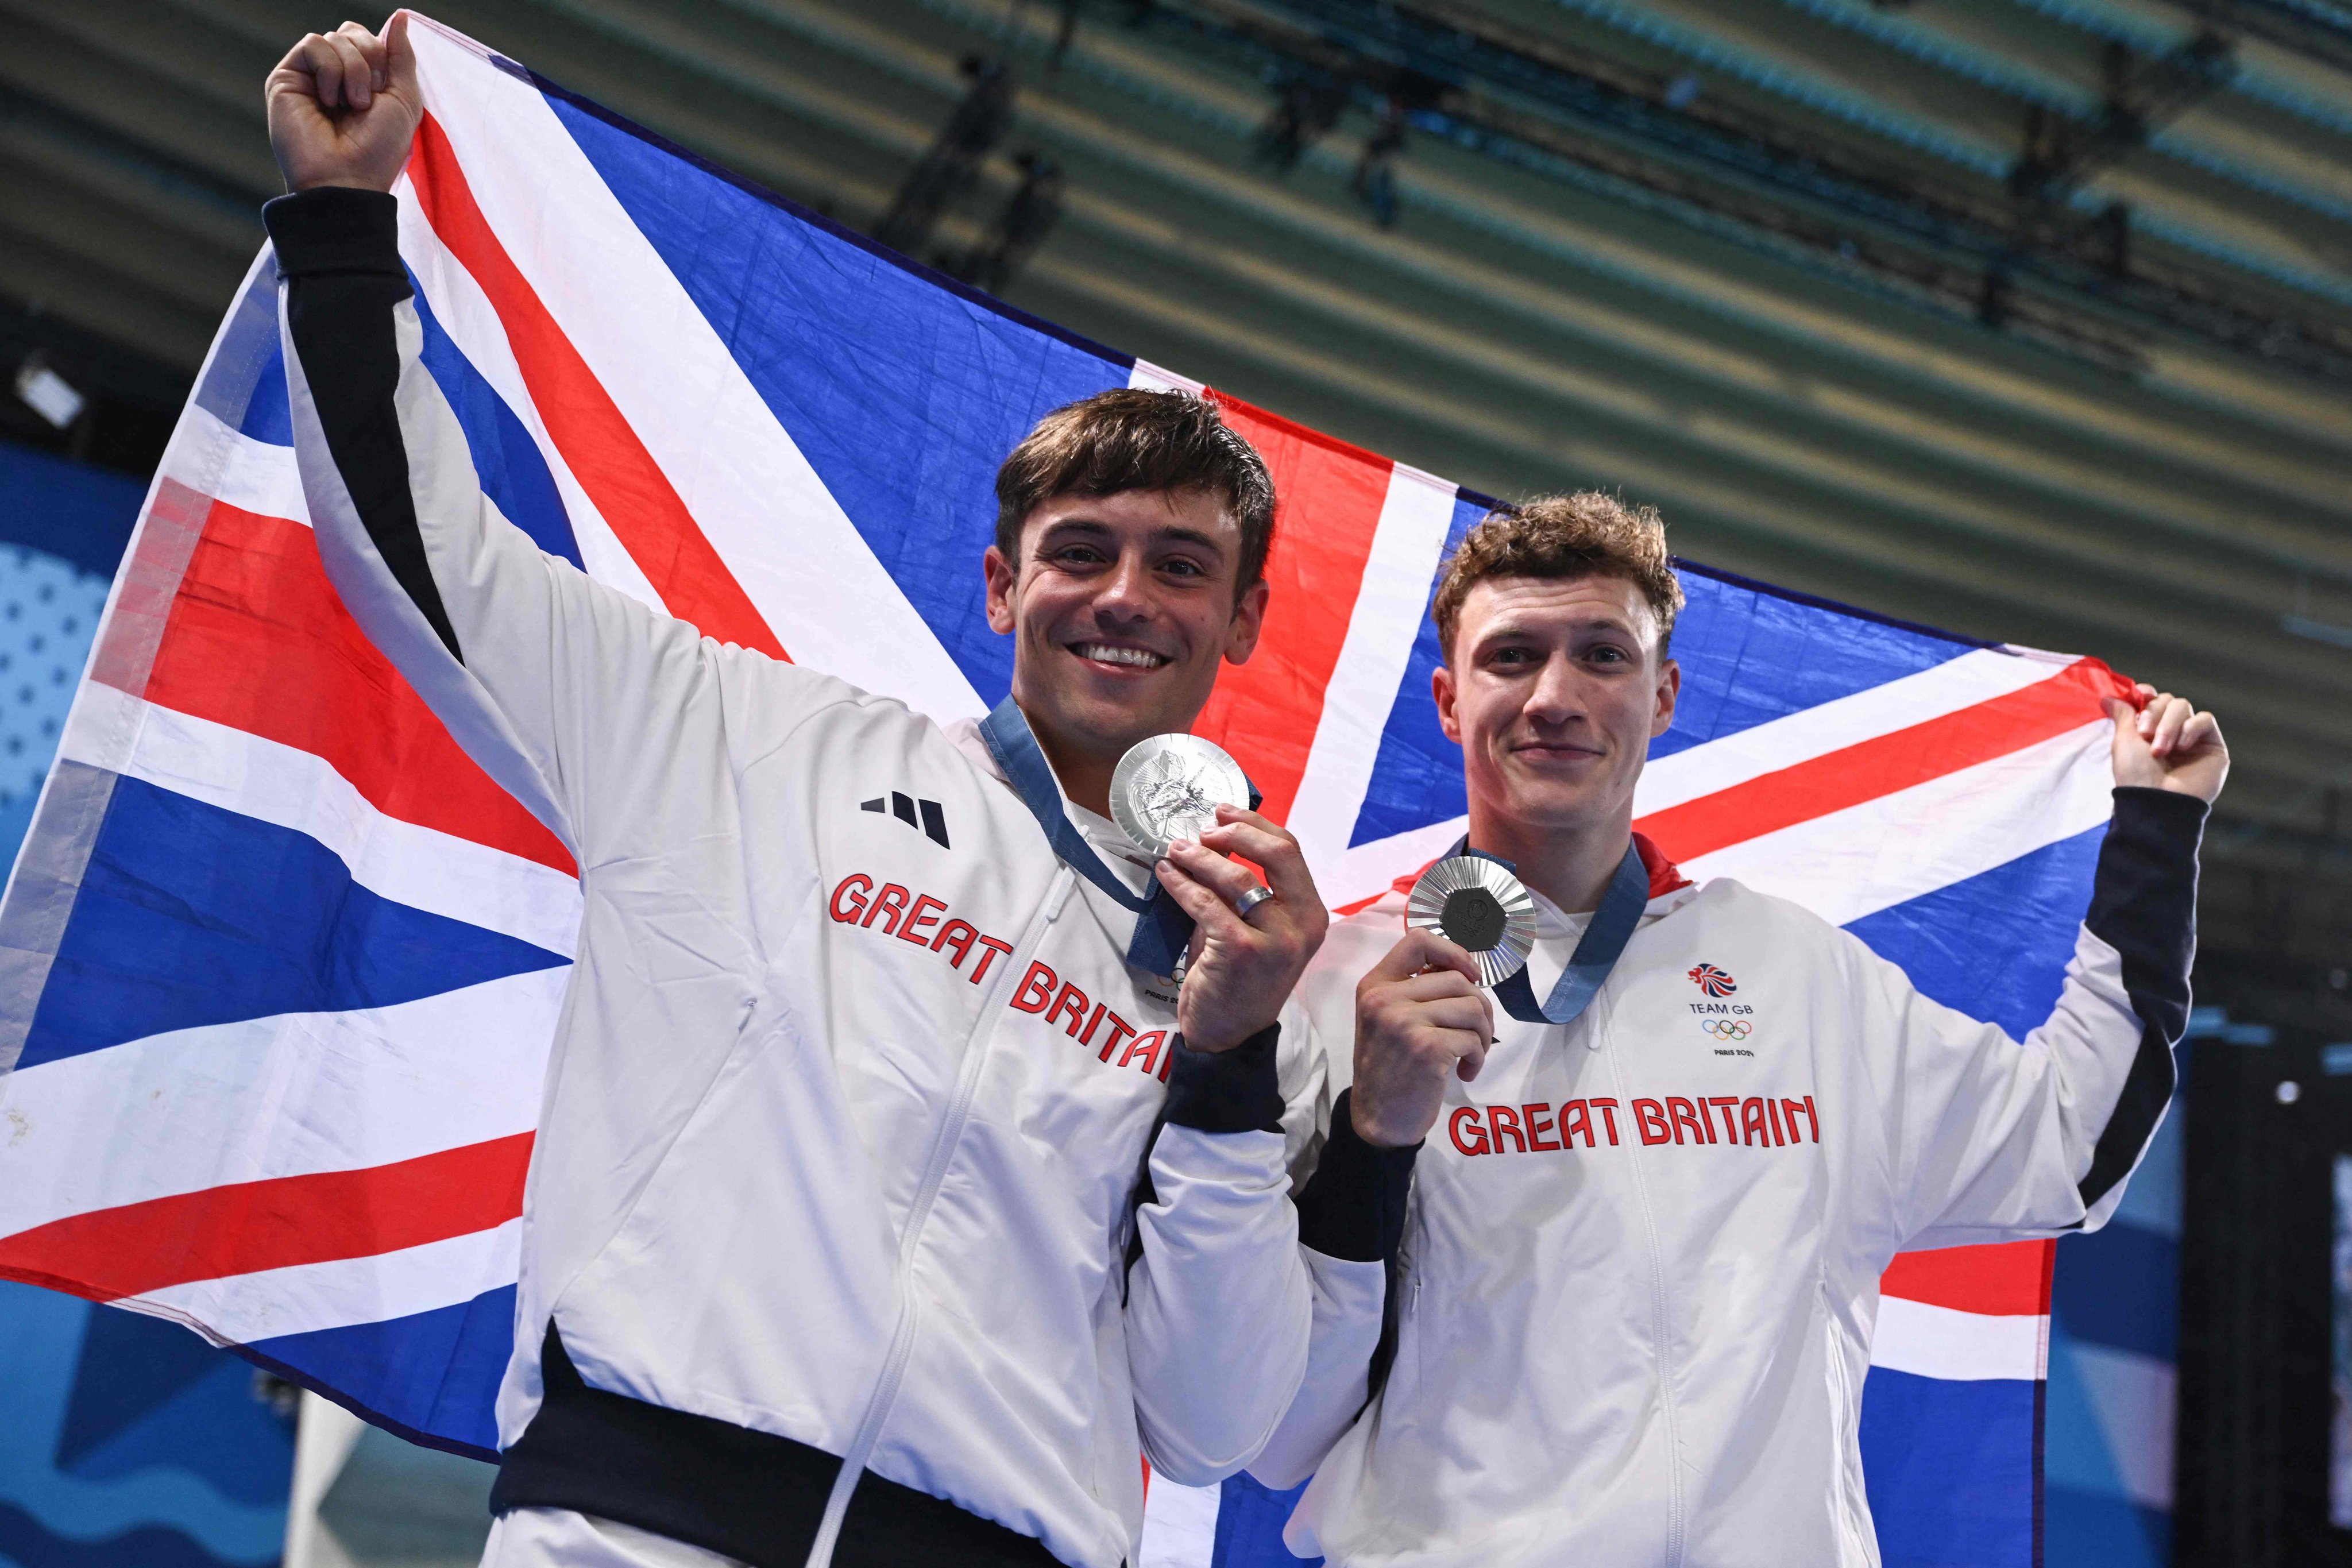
<point x="1160" y="461"/>
<point x="1634" y="1273"/>
<point x="888" y="1197"/>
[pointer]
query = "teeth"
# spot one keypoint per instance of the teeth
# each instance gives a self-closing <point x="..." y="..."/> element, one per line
<point x="1137" y="656"/>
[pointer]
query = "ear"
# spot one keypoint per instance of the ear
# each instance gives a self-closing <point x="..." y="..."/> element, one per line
<point x="1248" y="623"/>
<point x="1004" y="581"/>
<point x="1670" y="691"/>
<point x="1440" y="688"/>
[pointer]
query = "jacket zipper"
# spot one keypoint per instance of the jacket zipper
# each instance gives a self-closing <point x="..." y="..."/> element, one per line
<point x="1660" y="1322"/>
<point x="944" y="1147"/>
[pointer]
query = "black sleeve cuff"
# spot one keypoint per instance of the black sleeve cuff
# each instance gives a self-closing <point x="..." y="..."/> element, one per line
<point x="1353" y="1207"/>
<point x="1227" y="1091"/>
<point x="2144" y="899"/>
<point x="2162" y="814"/>
<point x="335" y="229"/>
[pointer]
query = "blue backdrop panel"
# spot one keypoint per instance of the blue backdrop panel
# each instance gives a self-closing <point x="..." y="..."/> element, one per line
<point x="127" y="1442"/>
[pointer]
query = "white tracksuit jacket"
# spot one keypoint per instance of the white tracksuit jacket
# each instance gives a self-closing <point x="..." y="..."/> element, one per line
<point x="1637" y="1260"/>
<point x="848" y="1106"/>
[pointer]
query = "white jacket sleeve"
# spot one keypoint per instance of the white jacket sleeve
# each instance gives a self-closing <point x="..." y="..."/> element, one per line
<point x="1351" y="1200"/>
<point x="1216" y="1280"/>
<point x="578" y="700"/>
<point x="1994" y="1140"/>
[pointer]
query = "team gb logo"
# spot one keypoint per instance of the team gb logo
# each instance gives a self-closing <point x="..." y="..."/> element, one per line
<point x="1713" y="981"/>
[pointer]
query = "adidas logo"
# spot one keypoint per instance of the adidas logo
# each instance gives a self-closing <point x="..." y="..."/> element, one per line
<point x="933" y="821"/>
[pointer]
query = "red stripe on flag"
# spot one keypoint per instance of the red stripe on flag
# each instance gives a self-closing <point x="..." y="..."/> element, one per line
<point x="2010" y="1278"/>
<point x="256" y="639"/>
<point x="1328" y="498"/>
<point x="604" y="452"/>
<point x="247" y="1226"/>
<point x="1884" y="764"/>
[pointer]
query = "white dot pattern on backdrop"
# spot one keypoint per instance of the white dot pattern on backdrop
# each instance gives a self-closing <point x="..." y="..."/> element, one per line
<point x="48" y="612"/>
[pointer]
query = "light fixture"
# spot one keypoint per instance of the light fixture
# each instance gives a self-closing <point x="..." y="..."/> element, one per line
<point x="46" y="392"/>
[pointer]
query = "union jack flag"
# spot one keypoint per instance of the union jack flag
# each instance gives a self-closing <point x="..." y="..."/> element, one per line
<point x="1713" y="981"/>
<point x="282" y="963"/>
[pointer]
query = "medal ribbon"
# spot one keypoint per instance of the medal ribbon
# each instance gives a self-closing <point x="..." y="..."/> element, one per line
<point x="1597" y="951"/>
<point x="1162" y="929"/>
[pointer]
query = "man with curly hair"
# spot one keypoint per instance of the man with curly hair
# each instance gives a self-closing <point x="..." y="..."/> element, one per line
<point x="1632" y="1232"/>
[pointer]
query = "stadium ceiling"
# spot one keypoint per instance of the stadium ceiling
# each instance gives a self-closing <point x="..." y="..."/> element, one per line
<point x="2031" y="318"/>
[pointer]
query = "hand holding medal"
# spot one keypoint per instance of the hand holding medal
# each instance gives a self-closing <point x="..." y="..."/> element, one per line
<point x="1425" y="1014"/>
<point x="1425" y="1017"/>
<point x="1182" y="799"/>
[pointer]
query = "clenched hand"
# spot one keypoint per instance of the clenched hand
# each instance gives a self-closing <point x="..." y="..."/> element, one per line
<point x="344" y="108"/>
<point x="2167" y="743"/>
<point x="1420" y="1021"/>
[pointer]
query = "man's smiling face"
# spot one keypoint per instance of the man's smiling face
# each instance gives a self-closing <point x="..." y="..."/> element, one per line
<point x="1122" y="607"/>
<point x="1554" y="687"/>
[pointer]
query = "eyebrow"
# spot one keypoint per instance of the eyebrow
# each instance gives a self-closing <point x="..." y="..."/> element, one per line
<point x="1597" y="624"/>
<point x="1194" y="536"/>
<point x="1100" y="530"/>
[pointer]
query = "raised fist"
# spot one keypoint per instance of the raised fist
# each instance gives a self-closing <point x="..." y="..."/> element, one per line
<point x="343" y="108"/>
<point x="2167" y="743"/>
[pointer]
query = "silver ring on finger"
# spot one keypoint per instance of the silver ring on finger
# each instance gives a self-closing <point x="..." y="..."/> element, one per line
<point x="1252" y="899"/>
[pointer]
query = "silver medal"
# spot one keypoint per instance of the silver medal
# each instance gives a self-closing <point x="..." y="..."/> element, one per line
<point x="1480" y="908"/>
<point x="1169" y="786"/>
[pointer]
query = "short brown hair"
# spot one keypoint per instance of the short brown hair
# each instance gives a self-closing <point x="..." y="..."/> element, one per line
<point x="1586" y="534"/>
<point x="1132" y="438"/>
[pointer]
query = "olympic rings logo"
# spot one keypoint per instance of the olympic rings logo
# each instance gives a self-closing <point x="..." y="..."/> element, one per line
<point x="1727" y="1028"/>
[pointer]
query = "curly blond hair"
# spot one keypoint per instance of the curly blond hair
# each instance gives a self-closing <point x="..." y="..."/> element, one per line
<point x="1582" y="535"/>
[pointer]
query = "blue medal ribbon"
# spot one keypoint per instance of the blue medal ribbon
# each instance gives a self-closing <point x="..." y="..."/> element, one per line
<point x="1162" y="929"/>
<point x="1597" y="951"/>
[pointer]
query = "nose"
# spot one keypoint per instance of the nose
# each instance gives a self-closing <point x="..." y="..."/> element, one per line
<point x="1557" y="697"/>
<point x="1125" y="594"/>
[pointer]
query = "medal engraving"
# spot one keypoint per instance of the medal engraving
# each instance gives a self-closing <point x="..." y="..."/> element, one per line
<point x="1169" y="786"/>
<point x="1480" y="908"/>
<point x="1474" y="918"/>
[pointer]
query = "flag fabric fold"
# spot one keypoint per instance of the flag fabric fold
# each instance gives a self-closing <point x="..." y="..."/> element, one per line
<point x="279" y="965"/>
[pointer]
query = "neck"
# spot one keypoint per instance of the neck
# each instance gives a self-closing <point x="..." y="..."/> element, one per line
<point x="1569" y="866"/>
<point x="1084" y="776"/>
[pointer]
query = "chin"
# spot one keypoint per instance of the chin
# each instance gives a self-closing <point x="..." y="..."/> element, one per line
<point x="1556" y="818"/>
<point x="1551" y="806"/>
<point x="1160" y="709"/>
<point x="1120" y="709"/>
<point x="1117" y="725"/>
